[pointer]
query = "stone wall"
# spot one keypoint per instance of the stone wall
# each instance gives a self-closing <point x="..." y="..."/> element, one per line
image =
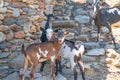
<point x="20" y="21"/>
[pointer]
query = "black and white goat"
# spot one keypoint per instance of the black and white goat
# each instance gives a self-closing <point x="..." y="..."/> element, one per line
<point x="72" y="52"/>
<point x="47" y="28"/>
<point x="105" y="17"/>
<point x="47" y="31"/>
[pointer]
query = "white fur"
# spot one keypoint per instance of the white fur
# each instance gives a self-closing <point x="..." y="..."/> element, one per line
<point x="95" y="2"/>
<point x="53" y="49"/>
<point x="67" y="53"/>
<point x="44" y="53"/>
<point x="81" y="49"/>
<point x="52" y="58"/>
<point x="113" y="10"/>
<point x="42" y="60"/>
<point x="94" y="11"/>
<point x="49" y="33"/>
<point x="38" y="55"/>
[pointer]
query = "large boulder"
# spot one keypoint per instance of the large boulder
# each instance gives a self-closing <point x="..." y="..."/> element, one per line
<point x="16" y="12"/>
<point x="91" y="45"/>
<point x="19" y="34"/>
<point x="18" y="5"/>
<point x="9" y="21"/>
<point x="10" y="35"/>
<point x="3" y="10"/>
<point x="13" y="76"/>
<point x="96" y="52"/>
<point x="64" y="24"/>
<point x="1" y="16"/>
<point x="82" y="19"/>
<point x="17" y="62"/>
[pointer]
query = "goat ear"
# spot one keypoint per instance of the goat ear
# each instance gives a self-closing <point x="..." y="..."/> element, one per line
<point x="67" y="32"/>
<point x="44" y="13"/>
<point x="56" y="30"/>
<point x="42" y="29"/>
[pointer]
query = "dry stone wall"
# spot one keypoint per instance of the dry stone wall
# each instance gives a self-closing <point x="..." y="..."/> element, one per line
<point x="20" y="21"/>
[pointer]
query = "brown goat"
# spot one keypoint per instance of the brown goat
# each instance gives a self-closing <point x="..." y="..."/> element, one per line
<point x="40" y="52"/>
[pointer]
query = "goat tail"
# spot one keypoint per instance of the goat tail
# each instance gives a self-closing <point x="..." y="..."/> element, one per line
<point x="23" y="50"/>
<point x="81" y="49"/>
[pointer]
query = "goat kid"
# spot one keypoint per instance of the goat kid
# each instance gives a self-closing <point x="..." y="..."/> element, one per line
<point x="105" y="17"/>
<point x="49" y="36"/>
<point x="48" y="26"/>
<point x="74" y="53"/>
<point x="40" y="52"/>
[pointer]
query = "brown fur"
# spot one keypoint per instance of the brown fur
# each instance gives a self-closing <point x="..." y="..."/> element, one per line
<point x="77" y="58"/>
<point x="32" y="50"/>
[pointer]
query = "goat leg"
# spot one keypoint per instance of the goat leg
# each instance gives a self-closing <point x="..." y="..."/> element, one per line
<point x="80" y="64"/>
<point x="33" y="71"/>
<point x="25" y="68"/>
<point x="42" y="66"/>
<point x="59" y="62"/>
<point x="52" y="70"/>
<point x="98" y="35"/>
<point x="56" y="62"/>
<point x="60" y="66"/>
<point x="110" y="32"/>
<point x="75" y="73"/>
